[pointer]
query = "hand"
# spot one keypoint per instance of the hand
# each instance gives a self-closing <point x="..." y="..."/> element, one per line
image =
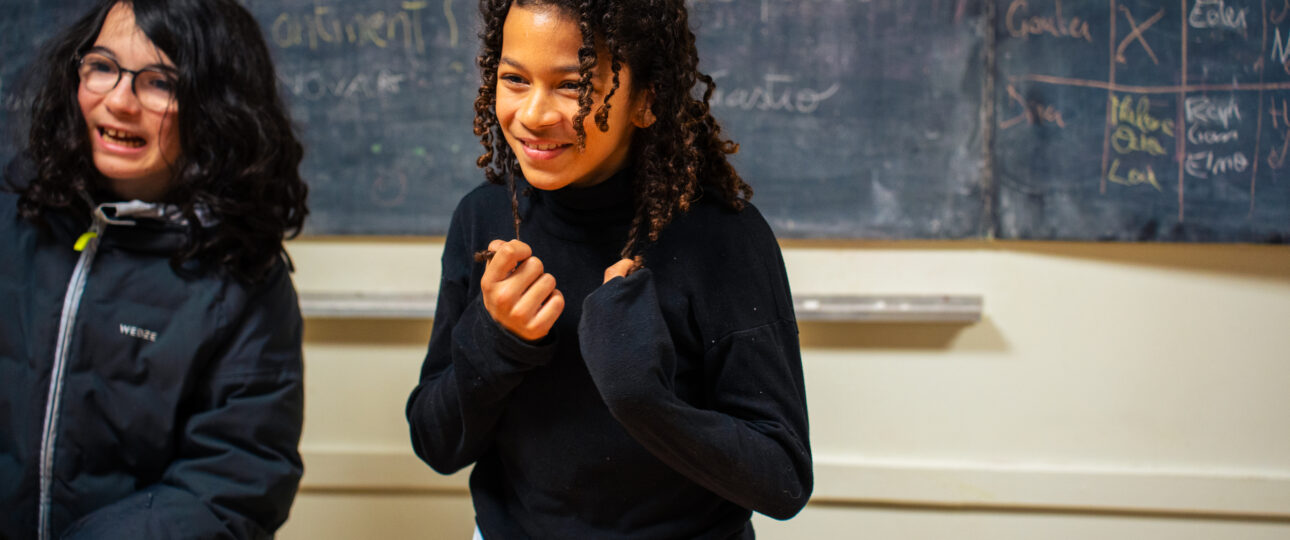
<point x="619" y="269"/>
<point x="518" y="293"/>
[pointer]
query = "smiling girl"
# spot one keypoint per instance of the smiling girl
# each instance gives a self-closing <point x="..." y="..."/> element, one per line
<point x="150" y="351"/>
<point x="630" y="369"/>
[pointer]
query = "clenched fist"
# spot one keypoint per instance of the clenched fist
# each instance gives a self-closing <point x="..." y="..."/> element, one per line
<point x="517" y="291"/>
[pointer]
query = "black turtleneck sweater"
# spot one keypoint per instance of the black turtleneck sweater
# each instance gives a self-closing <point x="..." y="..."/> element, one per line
<point x="667" y="404"/>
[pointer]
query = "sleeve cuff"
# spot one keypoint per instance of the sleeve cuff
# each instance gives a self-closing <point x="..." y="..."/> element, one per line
<point x="486" y="335"/>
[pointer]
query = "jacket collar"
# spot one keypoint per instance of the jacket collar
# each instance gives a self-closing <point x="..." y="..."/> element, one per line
<point x="147" y="227"/>
<point x="131" y="212"/>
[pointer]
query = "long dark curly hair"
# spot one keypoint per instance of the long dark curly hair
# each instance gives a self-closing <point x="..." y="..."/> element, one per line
<point x="239" y="155"/>
<point x="682" y="151"/>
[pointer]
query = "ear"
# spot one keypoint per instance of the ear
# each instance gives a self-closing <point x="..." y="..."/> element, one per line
<point x="642" y="110"/>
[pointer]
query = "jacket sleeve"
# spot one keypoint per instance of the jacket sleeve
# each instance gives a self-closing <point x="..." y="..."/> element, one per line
<point x="470" y="369"/>
<point x="238" y="462"/>
<point x="750" y="445"/>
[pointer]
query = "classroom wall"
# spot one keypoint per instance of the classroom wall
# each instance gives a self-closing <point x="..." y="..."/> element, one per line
<point x="1136" y="391"/>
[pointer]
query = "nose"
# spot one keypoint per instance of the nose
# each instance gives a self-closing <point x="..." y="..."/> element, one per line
<point x="538" y="110"/>
<point x="121" y="99"/>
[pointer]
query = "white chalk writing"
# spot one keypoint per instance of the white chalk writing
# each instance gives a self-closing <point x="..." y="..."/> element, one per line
<point x="776" y="93"/>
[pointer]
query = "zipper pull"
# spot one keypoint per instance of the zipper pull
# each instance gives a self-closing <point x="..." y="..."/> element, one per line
<point x="85" y="239"/>
<point x="96" y="228"/>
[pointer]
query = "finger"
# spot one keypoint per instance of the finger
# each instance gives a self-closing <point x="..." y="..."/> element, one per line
<point x="528" y="271"/>
<point x="618" y="269"/>
<point x="546" y="316"/>
<point x="532" y="300"/>
<point x="513" y="253"/>
<point x="505" y="257"/>
<point x="508" y="292"/>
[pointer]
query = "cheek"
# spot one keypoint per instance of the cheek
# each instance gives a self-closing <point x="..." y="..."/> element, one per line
<point x="504" y="108"/>
<point x="620" y="125"/>
<point x="168" y="137"/>
<point x="620" y="115"/>
<point x="87" y="102"/>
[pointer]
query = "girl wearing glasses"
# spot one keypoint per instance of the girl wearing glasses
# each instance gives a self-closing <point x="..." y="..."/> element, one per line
<point x="150" y="352"/>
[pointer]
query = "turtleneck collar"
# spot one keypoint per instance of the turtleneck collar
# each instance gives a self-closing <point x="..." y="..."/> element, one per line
<point x="584" y="212"/>
<point x="614" y="191"/>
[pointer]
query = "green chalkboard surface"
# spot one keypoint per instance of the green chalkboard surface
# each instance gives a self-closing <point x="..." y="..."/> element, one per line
<point x="854" y="118"/>
<point x="941" y="119"/>
<point x="1143" y="120"/>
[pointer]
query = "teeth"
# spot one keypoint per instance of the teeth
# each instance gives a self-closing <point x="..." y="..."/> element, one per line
<point x="121" y="137"/>
<point x="543" y="146"/>
<point x="118" y="134"/>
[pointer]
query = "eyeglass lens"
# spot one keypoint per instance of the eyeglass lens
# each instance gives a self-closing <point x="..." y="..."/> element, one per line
<point x="100" y="74"/>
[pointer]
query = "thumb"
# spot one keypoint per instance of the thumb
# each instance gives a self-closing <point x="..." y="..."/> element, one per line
<point x="619" y="269"/>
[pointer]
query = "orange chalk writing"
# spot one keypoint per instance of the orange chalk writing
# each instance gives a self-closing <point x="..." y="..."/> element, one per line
<point x="1022" y="24"/>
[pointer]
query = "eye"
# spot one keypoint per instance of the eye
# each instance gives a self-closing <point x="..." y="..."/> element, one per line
<point x="160" y="82"/>
<point x="98" y="64"/>
<point x="511" y="78"/>
<point x="570" y="85"/>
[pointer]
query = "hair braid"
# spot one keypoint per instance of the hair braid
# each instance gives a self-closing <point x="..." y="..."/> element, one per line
<point x="586" y="68"/>
<point x="675" y="157"/>
<point x="615" y="65"/>
<point x="497" y="160"/>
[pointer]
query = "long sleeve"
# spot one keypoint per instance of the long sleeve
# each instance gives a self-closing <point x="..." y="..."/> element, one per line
<point x="238" y="464"/>
<point x="750" y="445"/>
<point x="471" y="367"/>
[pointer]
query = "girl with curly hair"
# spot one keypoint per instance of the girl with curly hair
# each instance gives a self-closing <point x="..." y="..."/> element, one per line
<point x="630" y="368"/>
<point x="150" y="355"/>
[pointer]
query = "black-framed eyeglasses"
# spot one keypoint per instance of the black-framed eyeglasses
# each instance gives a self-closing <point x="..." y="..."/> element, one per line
<point x="154" y="88"/>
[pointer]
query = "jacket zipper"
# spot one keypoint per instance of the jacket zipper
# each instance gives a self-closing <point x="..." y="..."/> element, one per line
<point x="71" y="304"/>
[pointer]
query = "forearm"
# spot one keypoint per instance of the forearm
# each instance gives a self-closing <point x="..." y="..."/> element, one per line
<point x="161" y="512"/>
<point x="754" y="455"/>
<point x="750" y="446"/>
<point x="471" y="368"/>
<point x="235" y="474"/>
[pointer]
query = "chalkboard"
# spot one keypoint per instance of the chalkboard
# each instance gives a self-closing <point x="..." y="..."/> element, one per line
<point x="383" y="92"/>
<point x="854" y="118"/>
<point x="940" y="119"/>
<point x="1143" y="120"/>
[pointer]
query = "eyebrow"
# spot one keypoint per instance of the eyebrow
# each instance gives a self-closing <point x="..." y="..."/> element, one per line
<point x="561" y="69"/>
<point x="153" y="66"/>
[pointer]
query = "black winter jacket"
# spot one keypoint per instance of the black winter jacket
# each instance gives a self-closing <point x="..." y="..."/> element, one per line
<point x="136" y="402"/>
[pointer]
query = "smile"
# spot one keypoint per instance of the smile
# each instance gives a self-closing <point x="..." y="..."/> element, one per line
<point x="543" y="150"/>
<point x="543" y="147"/>
<point x="121" y="138"/>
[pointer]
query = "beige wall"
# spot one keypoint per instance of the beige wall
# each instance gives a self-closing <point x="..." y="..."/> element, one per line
<point x="1110" y="391"/>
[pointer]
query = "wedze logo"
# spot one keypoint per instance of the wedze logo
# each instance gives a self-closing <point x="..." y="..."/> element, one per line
<point x="141" y="333"/>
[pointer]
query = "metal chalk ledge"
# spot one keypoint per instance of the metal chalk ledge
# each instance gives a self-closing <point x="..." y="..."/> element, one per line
<point x="939" y="308"/>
